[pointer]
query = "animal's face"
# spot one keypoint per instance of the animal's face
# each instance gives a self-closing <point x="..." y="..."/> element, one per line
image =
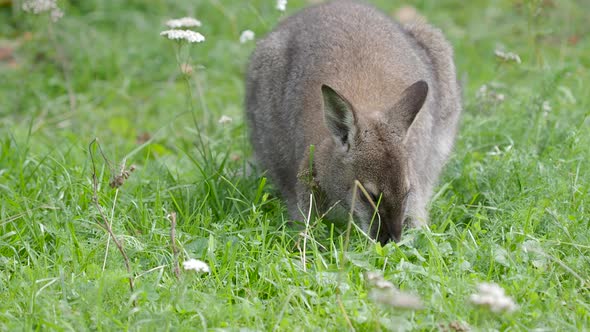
<point x="380" y="163"/>
<point x="372" y="152"/>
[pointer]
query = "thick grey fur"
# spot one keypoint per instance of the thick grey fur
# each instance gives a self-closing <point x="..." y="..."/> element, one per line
<point x="379" y="102"/>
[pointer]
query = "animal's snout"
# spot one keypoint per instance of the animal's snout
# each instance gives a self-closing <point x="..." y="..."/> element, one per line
<point x="391" y="232"/>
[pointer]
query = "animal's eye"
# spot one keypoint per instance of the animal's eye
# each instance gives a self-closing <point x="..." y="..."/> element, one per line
<point x="374" y="198"/>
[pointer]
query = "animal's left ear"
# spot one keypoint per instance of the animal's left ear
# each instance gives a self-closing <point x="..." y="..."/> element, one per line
<point x="339" y="117"/>
<point x="409" y="104"/>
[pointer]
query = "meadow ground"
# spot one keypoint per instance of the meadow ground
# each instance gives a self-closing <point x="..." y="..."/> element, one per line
<point x="512" y="206"/>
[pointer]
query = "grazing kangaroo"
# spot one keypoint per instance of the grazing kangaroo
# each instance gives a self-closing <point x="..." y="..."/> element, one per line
<point x="379" y="102"/>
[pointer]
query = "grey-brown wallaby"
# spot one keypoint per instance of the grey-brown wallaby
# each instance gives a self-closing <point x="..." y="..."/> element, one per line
<point x="378" y="101"/>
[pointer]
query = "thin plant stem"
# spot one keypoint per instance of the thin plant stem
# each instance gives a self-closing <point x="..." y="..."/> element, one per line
<point x="307" y="220"/>
<point x="106" y="252"/>
<point x="341" y="306"/>
<point x="202" y="99"/>
<point x="282" y="312"/>
<point x="357" y="186"/>
<point x="105" y="222"/>
<point x="202" y="146"/>
<point x="64" y="66"/>
<point x="173" y="244"/>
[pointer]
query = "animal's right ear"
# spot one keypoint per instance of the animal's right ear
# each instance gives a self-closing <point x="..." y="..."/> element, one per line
<point x="339" y="117"/>
<point x="410" y="103"/>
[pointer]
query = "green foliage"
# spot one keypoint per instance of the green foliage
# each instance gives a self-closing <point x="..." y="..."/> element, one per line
<point x="512" y="207"/>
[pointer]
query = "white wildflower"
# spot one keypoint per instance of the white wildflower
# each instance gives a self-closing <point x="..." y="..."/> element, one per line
<point x="396" y="299"/>
<point x="492" y="296"/>
<point x="42" y="6"/>
<point x="186" y="68"/>
<point x="546" y="107"/>
<point x="188" y="35"/>
<point x="39" y="6"/>
<point x="375" y="279"/>
<point x="246" y="36"/>
<point x="489" y="93"/>
<point x="281" y="5"/>
<point x="482" y="92"/>
<point x="385" y="292"/>
<point x="185" y="22"/>
<point x="56" y="14"/>
<point x="196" y="265"/>
<point x="225" y="119"/>
<point x="508" y="56"/>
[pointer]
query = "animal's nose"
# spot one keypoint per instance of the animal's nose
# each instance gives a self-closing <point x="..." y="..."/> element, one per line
<point x="385" y="237"/>
<point x="396" y="231"/>
<point x="397" y="236"/>
<point x="391" y="230"/>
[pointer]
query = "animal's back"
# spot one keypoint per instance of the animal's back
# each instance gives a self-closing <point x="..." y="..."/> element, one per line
<point x="351" y="46"/>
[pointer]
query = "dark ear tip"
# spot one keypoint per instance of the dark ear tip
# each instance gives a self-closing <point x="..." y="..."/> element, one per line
<point x="422" y="85"/>
<point x="327" y="89"/>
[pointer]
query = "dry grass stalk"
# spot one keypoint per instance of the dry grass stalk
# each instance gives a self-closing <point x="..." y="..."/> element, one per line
<point x="105" y="222"/>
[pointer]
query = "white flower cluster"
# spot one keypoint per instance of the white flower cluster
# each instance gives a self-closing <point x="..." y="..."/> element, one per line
<point x="492" y="296"/>
<point x="376" y="280"/>
<point x="386" y="293"/>
<point x="225" y="119"/>
<point x="490" y="93"/>
<point x="39" y="6"/>
<point x="196" y="265"/>
<point x="246" y="36"/>
<point x="281" y="5"/>
<point x="185" y="22"/>
<point x="42" y="6"/>
<point x="186" y="68"/>
<point x="507" y="56"/>
<point x="187" y="35"/>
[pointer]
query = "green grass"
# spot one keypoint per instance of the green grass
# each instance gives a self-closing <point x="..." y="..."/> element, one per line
<point x="512" y="206"/>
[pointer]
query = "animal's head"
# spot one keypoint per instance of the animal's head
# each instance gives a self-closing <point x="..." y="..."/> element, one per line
<point x="370" y="149"/>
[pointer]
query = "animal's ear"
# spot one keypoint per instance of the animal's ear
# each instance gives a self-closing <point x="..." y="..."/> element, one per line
<point x="339" y="117"/>
<point x="410" y="103"/>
